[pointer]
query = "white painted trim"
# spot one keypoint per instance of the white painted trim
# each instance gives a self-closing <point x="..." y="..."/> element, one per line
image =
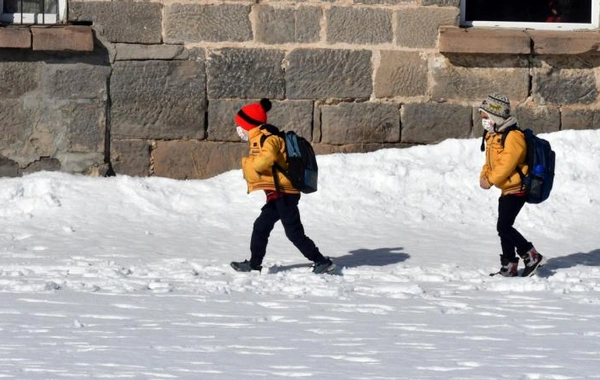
<point x="535" y="25"/>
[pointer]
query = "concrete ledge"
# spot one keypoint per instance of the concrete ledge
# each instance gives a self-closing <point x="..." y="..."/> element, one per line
<point x="564" y="43"/>
<point x="484" y="41"/>
<point x="514" y="41"/>
<point x="48" y="38"/>
<point x="70" y="37"/>
<point x="15" y="38"/>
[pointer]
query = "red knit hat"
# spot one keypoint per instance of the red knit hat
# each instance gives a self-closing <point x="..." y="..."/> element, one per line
<point x="253" y="115"/>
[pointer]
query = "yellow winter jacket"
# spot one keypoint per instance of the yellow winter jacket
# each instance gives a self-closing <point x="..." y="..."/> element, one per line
<point x="258" y="166"/>
<point x="500" y="168"/>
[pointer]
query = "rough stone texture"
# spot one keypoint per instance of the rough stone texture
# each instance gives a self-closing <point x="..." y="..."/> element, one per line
<point x="474" y="77"/>
<point x="85" y="125"/>
<point x="70" y="37"/>
<point x="287" y="25"/>
<point x="359" y="25"/>
<point x="18" y="78"/>
<point x="207" y="22"/>
<point x="130" y="157"/>
<point x="75" y="81"/>
<point x="193" y="159"/>
<point x="441" y="3"/>
<point x="356" y="147"/>
<point x="484" y="41"/>
<point x="245" y="73"/>
<point x="320" y="73"/>
<point x="401" y="74"/>
<point x="385" y="2"/>
<point x="538" y="119"/>
<point x="560" y="81"/>
<point x="132" y="52"/>
<point x="158" y="99"/>
<point x="14" y="127"/>
<point x="286" y="115"/>
<point x="348" y="123"/>
<point x="433" y="122"/>
<point x="418" y="27"/>
<point x="18" y="38"/>
<point x="574" y="118"/>
<point x="8" y="168"/>
<point x="44" y="163"/>
<point x="121" y="21"/>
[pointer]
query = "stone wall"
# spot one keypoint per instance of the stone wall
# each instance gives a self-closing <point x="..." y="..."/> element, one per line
<point x="158" y="94"/>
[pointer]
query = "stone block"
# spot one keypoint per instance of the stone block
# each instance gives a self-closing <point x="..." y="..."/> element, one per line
<point x="121" y="21"/>
<point x="130" y="157"/>
<point x="348" y="123"/>
<point x="85" y="124"/>
<point x="288" y="25"/>
<point x="245" y="73"/>
<point x="133" y="52"/>
<point x="325" y="73"/>
<point x="538" y="119"/>
<point x="15" y="38"/>
<point x="356" y="148"/>
<point x="483" y="41"/>
<point x="286" y="115"/>
<point x="9" y="168"/>
<point x="401" y="73"/>
<point x="192" y="159"/>
<point x="474" y="77"/>
<point x="70" y="37"/>
<point x="560" y="81"/>
<point x="418" y="27"/>
<point x="577" y="118"/>
<point x="158" y="99"/>
<point x="14" y="126"/>
<point x="359" y="25"/>
<point x="427" y="123"/>
<point x="18" y="78"/>
<point x="75" y="81"/>
<point x="207" y="22"/>
<point x="50" y="164"/>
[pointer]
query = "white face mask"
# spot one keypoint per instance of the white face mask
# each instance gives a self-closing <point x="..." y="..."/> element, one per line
<point x="242" y="133"/>
<point x="488" y="125"/>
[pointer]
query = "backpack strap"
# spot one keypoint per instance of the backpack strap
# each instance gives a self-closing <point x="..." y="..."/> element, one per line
<point x="273" y="131"/>
<point x="515" y="127"/>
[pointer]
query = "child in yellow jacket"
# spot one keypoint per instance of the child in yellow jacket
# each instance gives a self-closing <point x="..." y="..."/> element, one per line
<point x="503" y="154"/>
<point x="266" y="150"/>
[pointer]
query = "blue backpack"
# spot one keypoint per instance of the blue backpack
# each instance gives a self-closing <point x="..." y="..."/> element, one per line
<point x="540" y="159"/>
<point x="303" y="171"/>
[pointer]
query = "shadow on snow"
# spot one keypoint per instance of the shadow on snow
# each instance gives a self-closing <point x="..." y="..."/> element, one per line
<point x="590" y="259"/>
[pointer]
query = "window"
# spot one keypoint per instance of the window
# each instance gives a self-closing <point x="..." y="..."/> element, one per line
<point x="33" y="11"/>
<point x="532" y="14"/>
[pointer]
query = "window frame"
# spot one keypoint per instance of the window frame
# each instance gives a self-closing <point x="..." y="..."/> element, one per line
<point x="35" y="18"/>
<point x="594" y="24"/>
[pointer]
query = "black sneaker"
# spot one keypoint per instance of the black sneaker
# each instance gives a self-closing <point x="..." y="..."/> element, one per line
<point x="533" y="261"/>
<point x="325" y="266"/>
<point x="244" y="266"/>
<point x="508" y="267"/>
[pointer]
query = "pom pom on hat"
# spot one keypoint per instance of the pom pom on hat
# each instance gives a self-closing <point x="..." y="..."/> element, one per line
<point x="253" y="115"/>
<point x="497" y="107"/>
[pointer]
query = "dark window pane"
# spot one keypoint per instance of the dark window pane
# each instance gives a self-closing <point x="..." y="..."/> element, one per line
<point x="30" y="6"/>
<point x="569" y="11"/>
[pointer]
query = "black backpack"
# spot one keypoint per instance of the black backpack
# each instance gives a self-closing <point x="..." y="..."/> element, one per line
<point x="303" y="171"/>
<point x="541" y="159"/>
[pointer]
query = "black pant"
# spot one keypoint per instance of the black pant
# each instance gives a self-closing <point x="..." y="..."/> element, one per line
<point x="285" y="209"/>
<point x="509" y="207"/>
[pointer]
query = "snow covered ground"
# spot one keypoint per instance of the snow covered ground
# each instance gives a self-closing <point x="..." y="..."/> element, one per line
<point x="129" y="278"/>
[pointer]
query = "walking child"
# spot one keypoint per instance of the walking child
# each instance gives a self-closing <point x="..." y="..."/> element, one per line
<point x="505" y="152"/>
<point x="267" y="150"/>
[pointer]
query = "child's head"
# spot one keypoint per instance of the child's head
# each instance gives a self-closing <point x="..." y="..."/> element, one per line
<point x="496" y="108"/>
<point x="253" y="115"/>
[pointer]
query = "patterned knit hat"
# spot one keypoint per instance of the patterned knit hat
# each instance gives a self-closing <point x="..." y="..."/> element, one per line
<point x="253" y="115"/>
<point x="497" y="107"/>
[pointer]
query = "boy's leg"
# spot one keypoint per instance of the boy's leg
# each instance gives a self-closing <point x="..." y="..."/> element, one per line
<point x="509" y="207"/>
<point x="263" y="225"/>
<point x="287" y="206"/>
